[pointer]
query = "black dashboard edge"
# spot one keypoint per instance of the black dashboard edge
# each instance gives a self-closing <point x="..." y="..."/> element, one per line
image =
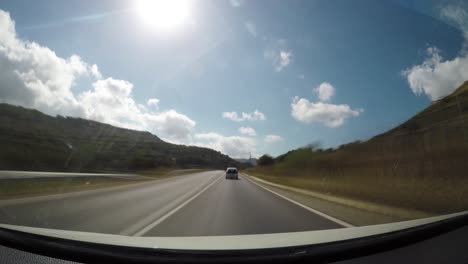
<point x="85" y="252"/>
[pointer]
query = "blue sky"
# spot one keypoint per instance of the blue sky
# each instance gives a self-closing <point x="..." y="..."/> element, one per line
<point x="301" y="71"/>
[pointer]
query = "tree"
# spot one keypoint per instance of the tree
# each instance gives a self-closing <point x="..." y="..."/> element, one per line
<point x="265" y="160"/>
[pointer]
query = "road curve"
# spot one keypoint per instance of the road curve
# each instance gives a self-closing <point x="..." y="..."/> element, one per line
<point x="199" y="204"/>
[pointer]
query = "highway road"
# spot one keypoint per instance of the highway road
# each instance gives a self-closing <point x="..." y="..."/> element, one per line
<point x="199" y="204"/>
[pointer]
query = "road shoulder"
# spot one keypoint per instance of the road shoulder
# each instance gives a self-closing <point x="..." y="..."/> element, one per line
<point x="351" y="214"/>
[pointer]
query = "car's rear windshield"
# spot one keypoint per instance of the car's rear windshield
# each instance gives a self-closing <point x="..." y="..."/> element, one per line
<point x="232" y="171"/>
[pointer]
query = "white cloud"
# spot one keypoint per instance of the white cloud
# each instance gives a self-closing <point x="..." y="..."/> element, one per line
<point x="285" y="59"/>
<point x="234" y="146"/>
<point x="301" y="76"/>
<point x="153" y="102"/>
<point x="278" y="54"/>
<point x="171" y="124"/>
<point x="34" y="76"/>
<point x="236" y="3"/>
<point x="273" y="138"/>
<point x="95" y="72"/>
<point x="457" y="15"/>
<point x="111" y="102"/>
<point x="437" y="77"/>
<point x="254" y="116"/>
<point x="231" y="115"/>
<point x="324" y="91"/>
<point x="251" y="28"/>
<point x="248" y="131"/>
<point x="331" y="115"/>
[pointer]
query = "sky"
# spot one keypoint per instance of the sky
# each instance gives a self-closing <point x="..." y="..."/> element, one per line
<point x="237" y="76"/>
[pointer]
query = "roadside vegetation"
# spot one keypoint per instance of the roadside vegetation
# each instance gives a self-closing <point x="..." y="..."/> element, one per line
<point x="19" y="188"/>
<point x="421" y="164"/>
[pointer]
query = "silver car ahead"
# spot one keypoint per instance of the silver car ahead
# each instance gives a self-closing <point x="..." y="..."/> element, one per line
<point x="232" y="173"/>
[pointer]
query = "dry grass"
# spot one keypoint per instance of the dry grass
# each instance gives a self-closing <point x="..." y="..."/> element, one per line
<point x="19" y="188"/>
<point x="369" y="206"/>
<point x="435" y="181"/>
<point x="421" y="164"/>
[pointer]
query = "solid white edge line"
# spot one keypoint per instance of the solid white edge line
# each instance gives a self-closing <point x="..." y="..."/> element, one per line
<point x="173" y="211"/>
<point x="331" y="218"/>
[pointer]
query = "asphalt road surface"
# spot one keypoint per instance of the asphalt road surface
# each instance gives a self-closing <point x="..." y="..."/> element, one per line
<point x="199" y="204"/>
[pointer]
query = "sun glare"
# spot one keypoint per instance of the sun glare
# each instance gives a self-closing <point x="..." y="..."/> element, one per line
<point x="166" y="15"/>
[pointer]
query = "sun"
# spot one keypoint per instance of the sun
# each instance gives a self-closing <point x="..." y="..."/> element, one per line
<point x="164" y="15"/>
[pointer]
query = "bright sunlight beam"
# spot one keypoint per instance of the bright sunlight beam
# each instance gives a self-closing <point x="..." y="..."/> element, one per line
<point x="164" y="15"/>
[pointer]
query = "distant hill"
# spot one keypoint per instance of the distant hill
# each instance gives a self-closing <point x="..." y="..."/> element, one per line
<point x="31" y="140"/>
<point x="252" y="161"/>
<point x="450" y="111"/>
<point x="422" y="163"/>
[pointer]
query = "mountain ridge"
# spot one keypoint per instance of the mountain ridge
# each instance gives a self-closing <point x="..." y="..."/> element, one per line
<point x="32" y="140"/>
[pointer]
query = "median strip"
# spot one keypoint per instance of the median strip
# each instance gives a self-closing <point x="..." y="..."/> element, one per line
<point x="147" y="228"/>
<point x="331" y="218"/>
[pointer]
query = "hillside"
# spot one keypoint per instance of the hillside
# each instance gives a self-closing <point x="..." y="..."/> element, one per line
<point x="450" y="111"/>
<point x="420" y="164"/>
<point x="31" y="140"/>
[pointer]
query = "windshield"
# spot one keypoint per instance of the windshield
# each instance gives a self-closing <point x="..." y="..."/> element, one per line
<point x="125" y="117"/>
